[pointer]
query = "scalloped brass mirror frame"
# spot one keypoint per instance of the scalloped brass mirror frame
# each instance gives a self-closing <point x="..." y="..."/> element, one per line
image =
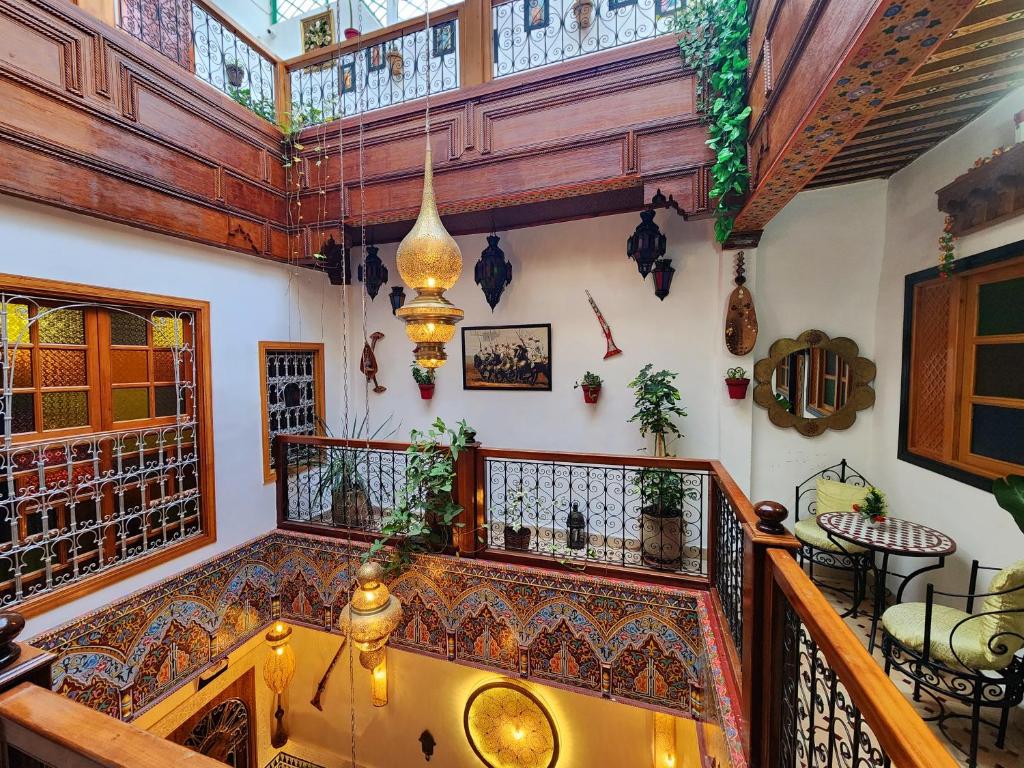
<point x="860" y="396"/>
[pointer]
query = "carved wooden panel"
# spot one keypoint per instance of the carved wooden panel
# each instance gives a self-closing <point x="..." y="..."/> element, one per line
<point x="932" y="385"/>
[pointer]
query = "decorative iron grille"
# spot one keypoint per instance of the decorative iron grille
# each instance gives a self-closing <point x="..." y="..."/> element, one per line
<point x="630" y="516"/>
<point x="534" y="33"/>
<point x="77" y="496"/>
<point x="291" y="395"/>
<point x="346" y="487"/>
<point x="728" y="570"/>
<point x="225" y="61"/>
<point x="164" y="25"/>
<point x="821" y="726"/>
<point x="372" y="77"/>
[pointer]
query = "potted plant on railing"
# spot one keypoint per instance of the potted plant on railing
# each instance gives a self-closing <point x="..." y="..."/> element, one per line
<point x="423" y="517"/>
<point x="583" y="11"/>
<point x="661" y="492"/>
<point x="517" y="537"/>
<point x="234" y="72"/>
<point x="351" y="31"/>
<point x="339" y="482"/>
<point x="424" y="378"/>
<point x="591" y="384"/>
<point x="737" y="382"/>
<point x="396" y="64"/>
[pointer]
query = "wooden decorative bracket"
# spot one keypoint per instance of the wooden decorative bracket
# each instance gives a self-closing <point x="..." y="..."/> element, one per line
<point x="987" y="194"/>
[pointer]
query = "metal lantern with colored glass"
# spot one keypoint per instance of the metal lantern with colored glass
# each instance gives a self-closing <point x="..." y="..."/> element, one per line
<point x="372" y="272"/>
<point x="492" y="273"/>
<point x="430" y="262"/>
<point x="647" y="244"/>
<point x="663" y="272"/>
<point x="577" y="525"/>
<point x="278" y="671"/>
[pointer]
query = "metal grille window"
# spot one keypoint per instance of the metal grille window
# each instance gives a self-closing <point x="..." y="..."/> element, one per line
<point x="292" y="392"/>
<point x="100" y="461"/>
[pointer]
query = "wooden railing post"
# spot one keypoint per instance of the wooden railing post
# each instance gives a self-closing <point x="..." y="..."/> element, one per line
<point x="465" y="533"/>
<point x="475" y="42"/>
<point x="280" y="449"/>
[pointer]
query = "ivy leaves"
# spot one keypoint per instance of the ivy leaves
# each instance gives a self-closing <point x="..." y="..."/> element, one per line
<point x="713" y="41"/>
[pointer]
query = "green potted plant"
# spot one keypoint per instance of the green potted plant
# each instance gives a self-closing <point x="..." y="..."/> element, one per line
<point x="517" y="538"/>
<point x="340" y="480"/>
<point x="737" y="382"/>
<point x="591" y="384"/>
<point x="1009" y="493"/>
<point x="424" y="378"/>
<point x="874" y="508"/>
<point x="661" y="490"/>
<point x="423" y="517"/>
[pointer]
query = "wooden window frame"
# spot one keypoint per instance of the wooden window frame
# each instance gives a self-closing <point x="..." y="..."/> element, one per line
<point x="954" y="459"/>
<point x="67" y="291"/>
<point x="317" y="348"/>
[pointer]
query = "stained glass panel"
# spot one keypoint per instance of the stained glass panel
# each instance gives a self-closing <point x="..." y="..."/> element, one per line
<point x="167" y="331"/>
<point x="165" y="401"/>
<point x="61" y="326"/>
<point x="62" y="410"/>
<point x="163" y="365"/>
<point x="127" y="330"/>
<point x="22" y="367"/>
<point x="23" y="414"/>
<point x="17" y="324"/>
<point x="129" y="366"/>
<point x="62" y="367"/>
<point x="131" y="403"/>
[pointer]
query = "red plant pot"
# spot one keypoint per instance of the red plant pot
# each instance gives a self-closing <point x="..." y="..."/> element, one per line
<point x="426" y="391"/>
<point x="737" y="388"/>
<point x="590" y="394"/>
<point x="351" y="32"/>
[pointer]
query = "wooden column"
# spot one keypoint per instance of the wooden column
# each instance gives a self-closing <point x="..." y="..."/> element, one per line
<point x="465" y="494"/>
<point x="475" y="42"/>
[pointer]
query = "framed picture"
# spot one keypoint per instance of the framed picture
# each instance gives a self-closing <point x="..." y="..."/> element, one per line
<point x="536" y="14"/>
<point x="444" y="38"/>
<point x="348" y="76"/>
<point x="375" y="58"/>
<point x="507" y="357"/>
<point x="318" y="31"/>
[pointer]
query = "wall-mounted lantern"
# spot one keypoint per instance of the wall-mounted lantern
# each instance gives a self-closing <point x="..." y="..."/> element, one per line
<point x="663" y="272"/>
<point x="372" y="272"/>
<point x="647" y="244"/>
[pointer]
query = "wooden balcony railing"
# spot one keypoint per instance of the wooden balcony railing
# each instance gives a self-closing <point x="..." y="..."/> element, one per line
<point x="811" y="695"/>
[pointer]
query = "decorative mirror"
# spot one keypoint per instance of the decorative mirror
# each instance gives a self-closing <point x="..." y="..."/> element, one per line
<point x="814" y="383"/>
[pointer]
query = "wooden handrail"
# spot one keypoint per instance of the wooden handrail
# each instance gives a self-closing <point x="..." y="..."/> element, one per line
<point x="341" y="442"/>
<point x="605" y="459"/>
<point x="900" y="731"/>
<point x="42" y="724"/>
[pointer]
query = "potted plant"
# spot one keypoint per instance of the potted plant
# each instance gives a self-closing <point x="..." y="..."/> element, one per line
<point x="874" y="508"/>
<point x="339" y="482"/>
<point x="234" y="72"/>
<point x="661" y="490"/>
<point x="591" y="384"/>
<point x="425" y="512"/>
<point x="517" y="538"/>
<point x="583" y="11"/>
<point x="1009" y="493"/>
<point x="424" y="377"/>
<point x="351" y="32"/>
<point x="395" y="63"/>
<point x="737" y="382"/>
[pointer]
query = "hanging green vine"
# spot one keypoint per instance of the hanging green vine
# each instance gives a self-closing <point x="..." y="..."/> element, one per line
<point x="713" y="41"/>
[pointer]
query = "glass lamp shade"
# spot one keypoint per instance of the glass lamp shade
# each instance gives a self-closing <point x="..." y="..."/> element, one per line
<point x="663" y="272"/>
<point x="428" y="257"/>
<point x="371" y="615"/>
<point x="279" y="666"/>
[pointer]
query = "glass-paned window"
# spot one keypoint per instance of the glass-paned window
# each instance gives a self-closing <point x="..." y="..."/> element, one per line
<point x="100" y="462"/>
<point x="292" y="387"/>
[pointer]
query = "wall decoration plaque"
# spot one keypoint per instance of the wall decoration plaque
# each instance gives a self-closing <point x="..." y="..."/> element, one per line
<point x="740" y="315"/>
<point x="507" y="725"/>
<point x="507" y="357"/>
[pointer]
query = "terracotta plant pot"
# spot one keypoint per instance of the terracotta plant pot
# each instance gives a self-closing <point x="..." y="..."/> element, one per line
<point x="352" y="32"/>
<point x="737" y="388"/>
<point x="426" y="391"/>
<point x="235" y="75"/>
<point x="662" y="537"/>
<point x="517" y="539"/>
<point x="590" y="394"/>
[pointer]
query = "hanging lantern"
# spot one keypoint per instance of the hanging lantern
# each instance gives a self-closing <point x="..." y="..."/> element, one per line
<point x="372" y="272"/>
<point x="577" y="525"/>
<point x="429" y="262"/>
<point x="335" y="262"/>
<point x="396" y="297"/>
<point x="646" y="245"/>
<point x="663" y="272"/>
<point x="492" y="272"/>
<point x="371" y="615"/>
<point x="278" y="670"/>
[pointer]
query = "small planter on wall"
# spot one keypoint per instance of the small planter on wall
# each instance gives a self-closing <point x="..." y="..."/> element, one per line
<point x="517" y="539"/>
<point x="235" y="75"/>
<point x="737" y="382"/>
<point x="591" y="386"/>
<point x="427" y="391"/>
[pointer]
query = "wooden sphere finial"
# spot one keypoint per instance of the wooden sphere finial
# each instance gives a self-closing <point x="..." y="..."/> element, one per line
<point x="770" y="514"/>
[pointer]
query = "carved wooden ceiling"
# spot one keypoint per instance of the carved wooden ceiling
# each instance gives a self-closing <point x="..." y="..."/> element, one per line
<point x="980" y="61"/>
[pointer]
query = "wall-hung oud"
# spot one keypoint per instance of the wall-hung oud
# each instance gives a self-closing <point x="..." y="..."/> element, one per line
<point x="814" y="383"/>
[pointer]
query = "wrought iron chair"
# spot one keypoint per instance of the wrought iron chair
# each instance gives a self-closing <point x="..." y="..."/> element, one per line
<point x="816" y="548"/>
<point x="974" y="658"/>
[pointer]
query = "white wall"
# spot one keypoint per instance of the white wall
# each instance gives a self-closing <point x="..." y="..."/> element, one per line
<point x="251" y="300"/>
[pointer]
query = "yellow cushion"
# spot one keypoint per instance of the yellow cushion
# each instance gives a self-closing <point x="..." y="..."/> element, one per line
<point x="905" y="622"/>
<point x="833" y="496"/>
<point x="809" y="532"/>
<point x="1005" y="628"/>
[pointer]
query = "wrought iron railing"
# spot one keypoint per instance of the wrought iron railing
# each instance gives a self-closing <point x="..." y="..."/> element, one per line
<point x="728" y="555"/>
<point x="603" y="510"/>
<point x="534" y="33"/>
<point x="381" y="73"/>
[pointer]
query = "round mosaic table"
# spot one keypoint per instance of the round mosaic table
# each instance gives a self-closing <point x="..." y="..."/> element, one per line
<point x="892" y="536"/>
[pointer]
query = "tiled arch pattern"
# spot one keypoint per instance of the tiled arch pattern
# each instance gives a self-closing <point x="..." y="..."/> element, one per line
<point x="642" y="644"/>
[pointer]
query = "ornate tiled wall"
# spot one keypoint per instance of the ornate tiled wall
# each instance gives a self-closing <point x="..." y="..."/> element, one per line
<point x="641" y="644"/>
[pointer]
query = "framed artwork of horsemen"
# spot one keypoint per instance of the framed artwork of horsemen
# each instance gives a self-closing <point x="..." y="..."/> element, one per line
<point x="507" y="357"/>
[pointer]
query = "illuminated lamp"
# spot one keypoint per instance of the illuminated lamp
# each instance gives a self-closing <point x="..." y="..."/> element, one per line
<point x="429" y="261"/>
<point x="509" y="727"/>
<point x="647" y="244"/>
<point x="370" y="617"/>
<point x="278" y="671"/>
<point x="664" y="741"/>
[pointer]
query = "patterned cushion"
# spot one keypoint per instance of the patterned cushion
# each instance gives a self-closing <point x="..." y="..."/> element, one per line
<point x="833" y="496"/>
<point x="905" y="622"/>
<point x="809" y="532"/>
<point x="1005" y="628"/>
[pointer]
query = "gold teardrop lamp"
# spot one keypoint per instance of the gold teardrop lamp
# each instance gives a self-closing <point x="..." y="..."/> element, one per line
<point x="430" y="262"/>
